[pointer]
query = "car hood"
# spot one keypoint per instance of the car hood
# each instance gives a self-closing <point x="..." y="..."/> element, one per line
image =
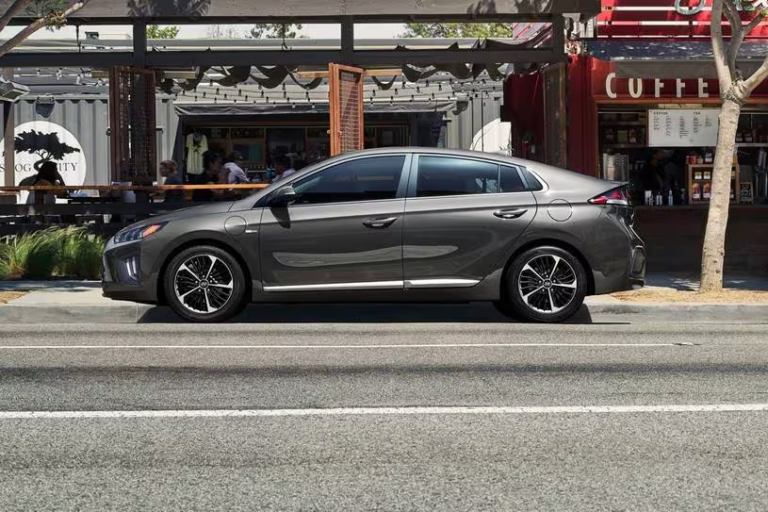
<point x="194" y="211"/>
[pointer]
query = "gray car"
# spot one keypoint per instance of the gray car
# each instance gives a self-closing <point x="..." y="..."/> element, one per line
<point x="390" y="225"/>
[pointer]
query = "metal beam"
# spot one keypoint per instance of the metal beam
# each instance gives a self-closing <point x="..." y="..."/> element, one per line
<point x="9" y="134"/>
<point x="66" y="59"/>
<point x="347" y="40"/>
<point x="176" y="59"/>
<point x="140" y="44"/>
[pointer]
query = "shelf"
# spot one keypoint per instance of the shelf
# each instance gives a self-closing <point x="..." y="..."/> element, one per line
<point x="624" y="146"/>
<point x="623" y="123"/>
<point x="752" y="144"/>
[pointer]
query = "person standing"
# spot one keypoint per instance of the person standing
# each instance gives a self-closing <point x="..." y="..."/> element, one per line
<point x="170" y="172"/>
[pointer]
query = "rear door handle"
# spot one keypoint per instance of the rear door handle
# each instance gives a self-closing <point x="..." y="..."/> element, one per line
<point x="379" y="223"/>
<point x="510" y="214"/>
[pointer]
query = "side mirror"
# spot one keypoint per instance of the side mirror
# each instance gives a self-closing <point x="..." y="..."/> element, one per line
<point x="283" y="197"/>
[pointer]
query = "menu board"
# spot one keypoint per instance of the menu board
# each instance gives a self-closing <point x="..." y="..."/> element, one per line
<point x="683" y="128"/>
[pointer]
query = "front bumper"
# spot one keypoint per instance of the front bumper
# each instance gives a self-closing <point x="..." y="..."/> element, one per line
<point x="124" y="277"/>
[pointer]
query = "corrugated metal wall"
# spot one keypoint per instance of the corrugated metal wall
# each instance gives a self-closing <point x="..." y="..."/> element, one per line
<point x="464" y="127"/>
<point x="88" y="120"/>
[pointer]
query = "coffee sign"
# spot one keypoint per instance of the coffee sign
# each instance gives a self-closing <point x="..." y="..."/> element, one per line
<point x="694" y="7"/>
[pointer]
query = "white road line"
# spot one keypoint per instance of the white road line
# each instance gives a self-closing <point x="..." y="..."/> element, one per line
<point x="382" y="411"/>
<point x="321" y="347"/>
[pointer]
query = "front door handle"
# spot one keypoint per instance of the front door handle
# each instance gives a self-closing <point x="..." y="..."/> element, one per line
<point x="510" y="214"/>
<point x="379" y="223"/>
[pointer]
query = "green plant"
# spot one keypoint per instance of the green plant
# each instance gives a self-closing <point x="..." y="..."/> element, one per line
<point x="80" y="255"/>
<point x="33" y="255"/>
<point x="70" y="252"/>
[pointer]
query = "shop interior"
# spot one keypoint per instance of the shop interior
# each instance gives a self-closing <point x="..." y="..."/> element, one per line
<point x="674" y="175"/>
<point x="262" y="144"/>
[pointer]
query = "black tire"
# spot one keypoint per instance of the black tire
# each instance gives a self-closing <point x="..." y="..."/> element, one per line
<point x="199" y="292"/>
<point x="533" y="296"/>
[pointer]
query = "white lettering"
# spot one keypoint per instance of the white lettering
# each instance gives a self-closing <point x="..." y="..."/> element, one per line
<point x="680" y="85"/>
<point x="658" y="86"/>
<point x="703" y="86"/>
<point x="635" y="87"/>
<point x="689" y="10"/>
<point x="609" y="85"/>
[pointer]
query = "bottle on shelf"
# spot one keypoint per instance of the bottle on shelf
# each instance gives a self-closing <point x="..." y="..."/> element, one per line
<point x="696" y="195"/>
<point x="670" y="199"/>
<point x="707" y="191"/>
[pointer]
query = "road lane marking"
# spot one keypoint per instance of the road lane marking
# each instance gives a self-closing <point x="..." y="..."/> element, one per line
<point x="320" y="347"/>
<point x="382" y="411"/>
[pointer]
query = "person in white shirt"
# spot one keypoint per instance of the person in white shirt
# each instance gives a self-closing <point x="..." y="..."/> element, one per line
<point x="236" y="173"/>
<point x="283" y="169"/>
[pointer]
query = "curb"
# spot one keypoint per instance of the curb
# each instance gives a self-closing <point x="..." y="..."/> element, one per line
<point x="129" y="313"/>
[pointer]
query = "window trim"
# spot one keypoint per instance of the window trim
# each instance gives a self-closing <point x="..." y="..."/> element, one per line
<point x="402" y="186"/>
<point x="413" y="182"/>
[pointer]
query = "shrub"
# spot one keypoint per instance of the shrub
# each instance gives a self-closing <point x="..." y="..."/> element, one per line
<point x="69" y="252"/>
<point x="80" y="255"/>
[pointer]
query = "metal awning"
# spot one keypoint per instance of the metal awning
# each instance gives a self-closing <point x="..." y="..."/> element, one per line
<point x="224" y="110"/>
<point x="671" y="59"/>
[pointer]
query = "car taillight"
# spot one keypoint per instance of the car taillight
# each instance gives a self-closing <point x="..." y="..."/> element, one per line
<point x="617" y="196"/>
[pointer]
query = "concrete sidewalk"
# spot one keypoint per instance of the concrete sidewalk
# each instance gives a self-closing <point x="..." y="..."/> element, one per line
<point x="81" y="302"/>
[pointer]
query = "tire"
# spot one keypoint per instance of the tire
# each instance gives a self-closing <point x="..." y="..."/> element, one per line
<point x="544" y="285"/>
<point x="205" y="284"/>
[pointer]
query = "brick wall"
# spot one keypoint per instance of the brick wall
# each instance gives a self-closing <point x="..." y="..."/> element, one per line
<point x="674" y="237"/>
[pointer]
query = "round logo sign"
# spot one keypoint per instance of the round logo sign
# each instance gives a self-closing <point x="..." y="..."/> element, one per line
<point x="43" y="140"/>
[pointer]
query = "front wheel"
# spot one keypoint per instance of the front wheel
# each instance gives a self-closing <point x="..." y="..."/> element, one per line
<point x="545" y="285"/>
<point x="205" y="284"/>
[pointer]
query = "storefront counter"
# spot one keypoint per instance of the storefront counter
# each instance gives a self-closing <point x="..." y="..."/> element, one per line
<point x="674" y="237"/>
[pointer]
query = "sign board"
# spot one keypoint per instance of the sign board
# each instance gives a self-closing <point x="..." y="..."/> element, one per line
<point x="682" y="128"/>
<point x="72" y="166"/>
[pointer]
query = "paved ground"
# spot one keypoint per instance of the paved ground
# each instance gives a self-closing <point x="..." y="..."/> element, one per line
<point x="384" y="416"/>
<point x="71" y="302"/>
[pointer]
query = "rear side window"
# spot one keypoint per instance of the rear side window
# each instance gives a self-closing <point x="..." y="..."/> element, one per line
<point x="533" y="183"/>
<point x="450" y="176"/>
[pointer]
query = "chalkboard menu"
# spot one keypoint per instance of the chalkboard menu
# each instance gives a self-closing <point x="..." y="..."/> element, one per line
<point x="682" y="128"/>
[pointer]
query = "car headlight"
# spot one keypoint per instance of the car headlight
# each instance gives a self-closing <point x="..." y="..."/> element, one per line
<point x="139" y="233"/>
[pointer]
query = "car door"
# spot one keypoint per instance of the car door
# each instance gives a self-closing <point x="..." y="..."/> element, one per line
<point x="343" y="232"/>
<point x="462" y="217"/>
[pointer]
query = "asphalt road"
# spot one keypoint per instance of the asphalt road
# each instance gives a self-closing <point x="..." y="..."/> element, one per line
<point x="395" y="416"/>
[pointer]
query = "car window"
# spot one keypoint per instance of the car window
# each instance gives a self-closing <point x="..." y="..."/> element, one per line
<point x="533" y="183"/>
<point x="364" y="179"/>
<point x="450" y="176"/>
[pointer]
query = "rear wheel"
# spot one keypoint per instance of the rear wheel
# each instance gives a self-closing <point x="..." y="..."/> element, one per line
<point x="544" y="284"/>
<point x="205" y="284"/>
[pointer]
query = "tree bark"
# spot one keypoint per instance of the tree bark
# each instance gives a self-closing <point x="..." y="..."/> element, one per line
<point x="713" y="254"/>
<point x="37" y="25"/>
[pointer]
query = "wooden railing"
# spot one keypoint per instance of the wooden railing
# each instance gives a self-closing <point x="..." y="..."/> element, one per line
<point x="104" y="214"/>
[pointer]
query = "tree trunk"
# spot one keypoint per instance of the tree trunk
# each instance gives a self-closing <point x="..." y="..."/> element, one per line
<point x="713" y="255"/>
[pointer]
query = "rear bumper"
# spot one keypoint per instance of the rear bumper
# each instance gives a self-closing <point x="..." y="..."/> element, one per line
<point x="633" y="278"/>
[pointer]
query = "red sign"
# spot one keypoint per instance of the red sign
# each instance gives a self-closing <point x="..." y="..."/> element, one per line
<point x="668" y="18"/>
<point x="606" y="85"/>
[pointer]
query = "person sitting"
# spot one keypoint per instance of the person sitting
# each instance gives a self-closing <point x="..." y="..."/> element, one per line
<point x="47" y="176"/>
<point x="211" y="175"/>
<point x="170" y="171"/>
<point x="283" y="169"/>
<point x="236" y="173"/>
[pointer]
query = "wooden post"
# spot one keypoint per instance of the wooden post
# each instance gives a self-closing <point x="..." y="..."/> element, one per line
<point x="9" y="132"/>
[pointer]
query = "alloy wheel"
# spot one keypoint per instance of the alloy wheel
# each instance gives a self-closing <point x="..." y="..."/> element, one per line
<point x="547" y="284"/>
<point x="204" y="284"/>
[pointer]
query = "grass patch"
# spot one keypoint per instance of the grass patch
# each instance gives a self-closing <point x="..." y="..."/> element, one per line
<point x="71" y="252"/>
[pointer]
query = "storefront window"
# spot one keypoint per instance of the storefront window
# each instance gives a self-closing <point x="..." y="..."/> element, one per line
<point x="667" y="155"/>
